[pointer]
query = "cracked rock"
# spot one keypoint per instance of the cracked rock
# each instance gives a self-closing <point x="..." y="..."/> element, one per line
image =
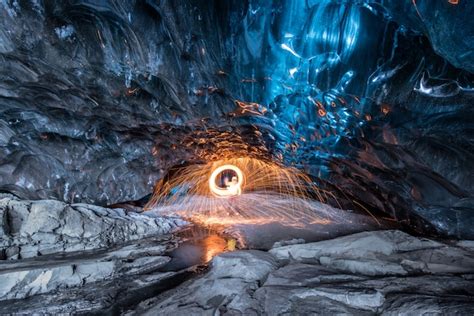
<point x="33" y="228"/>
<point x="380" y="272"/>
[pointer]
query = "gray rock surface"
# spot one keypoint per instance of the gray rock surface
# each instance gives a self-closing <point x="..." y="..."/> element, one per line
<point x="229" y="285"/>
<point x="368" y="273"/>
<point x="382" y="253"/>
<point x="27" y="278"/>
<point x="76" y="258"/>
<point x="34" y="228"/>
<point x="84" y="281"/>
<point x="379" y="272"/>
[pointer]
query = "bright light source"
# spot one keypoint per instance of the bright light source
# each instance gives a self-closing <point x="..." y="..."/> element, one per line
<point x="232" y="184"/>
<point x="239" y="190"/>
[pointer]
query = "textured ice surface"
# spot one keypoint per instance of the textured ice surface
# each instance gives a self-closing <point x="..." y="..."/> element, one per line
<point x="373" y="98"/>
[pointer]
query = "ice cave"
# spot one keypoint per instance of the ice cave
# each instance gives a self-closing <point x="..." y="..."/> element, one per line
<point x="237" y="157"/>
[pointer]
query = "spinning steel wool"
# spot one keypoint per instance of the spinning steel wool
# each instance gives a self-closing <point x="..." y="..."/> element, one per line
<point x="240" y="190"/>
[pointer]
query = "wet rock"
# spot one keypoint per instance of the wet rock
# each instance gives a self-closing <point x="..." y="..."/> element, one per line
<point x="364" y="267"/>
<point x="281" y="301"/>
<point x="83" y="281"/>
<point x="25" y="278"/>
<point x="356" y="246"/>
<point x="228" y="287"/>
<point x="307" y="275"/>
<point x="379" y="272"/>
<point x="247" y="265"/>
<point x="381" y="253"/>
<point x="294" y="241"/>
<point x="363" y="274"/>
<point x="468" y="244"/>
<point x="423" y="304"/>
<point x="33" y="228"/>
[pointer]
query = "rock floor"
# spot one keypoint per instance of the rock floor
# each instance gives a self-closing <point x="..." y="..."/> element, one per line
<point x="74" y="259"/>
<point x="367" y="273"/>
<point x="62" y="258"/>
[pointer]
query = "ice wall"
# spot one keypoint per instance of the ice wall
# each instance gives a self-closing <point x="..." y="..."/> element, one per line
<point x="373" y="98"/>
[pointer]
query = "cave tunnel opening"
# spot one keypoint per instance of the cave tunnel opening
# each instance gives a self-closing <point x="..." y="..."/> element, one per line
<point x="144" y="137"/>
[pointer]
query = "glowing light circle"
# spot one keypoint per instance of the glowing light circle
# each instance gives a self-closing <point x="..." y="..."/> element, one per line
<point x="232" y="189"/>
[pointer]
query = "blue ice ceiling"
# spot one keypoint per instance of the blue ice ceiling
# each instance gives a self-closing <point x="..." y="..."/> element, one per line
<point x="304" y="62"/>
<point x="98" y="99"/>
<point x="326" y="68"/>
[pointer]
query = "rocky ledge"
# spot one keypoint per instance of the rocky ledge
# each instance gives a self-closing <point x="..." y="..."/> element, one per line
<point x="35" y="228"/>
<point x="72" y="259"/>
<point x="366" y="273"/>
<point x="63" y="258"/>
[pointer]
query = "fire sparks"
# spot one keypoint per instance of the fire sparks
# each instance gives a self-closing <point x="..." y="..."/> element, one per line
<point x="261" y="192"/>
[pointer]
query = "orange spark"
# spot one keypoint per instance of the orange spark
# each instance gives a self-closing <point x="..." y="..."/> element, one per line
<point x="385" y="109"/>
<point x="268" y="192"/>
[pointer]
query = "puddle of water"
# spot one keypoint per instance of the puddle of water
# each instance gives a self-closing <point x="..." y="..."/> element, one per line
<point x="201" y="242"/>
<point x="262" y="235"/>
<point x="200" y="245"/>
